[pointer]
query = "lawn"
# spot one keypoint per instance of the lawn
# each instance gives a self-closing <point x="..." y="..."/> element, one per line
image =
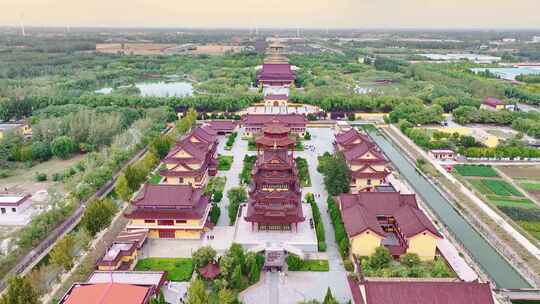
<point x="530" y="186"/>
<point x="476" y="170"/>
<point x="178" y="269"/>
<point x="314" y="265"/>
<point x="225" y="162"/>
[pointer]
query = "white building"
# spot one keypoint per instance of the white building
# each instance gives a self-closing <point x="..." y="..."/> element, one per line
<point x="476" y="58"/>
<point x="536" y="39"/>
<point x="15" y="209"/>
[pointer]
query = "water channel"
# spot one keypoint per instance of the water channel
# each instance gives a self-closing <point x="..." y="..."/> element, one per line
<point x="502" y="273"/>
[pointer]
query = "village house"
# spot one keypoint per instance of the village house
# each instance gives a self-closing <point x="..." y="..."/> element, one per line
<point x="442" y="154"/>
<point x="124" y="251"/>
<point x="420" y="292"/>
<point x="24" y="128"/>
<point x="15" y="209"/>
<point x="389" y="219"/>
<point x="192" y="160"/>
<point x="275" y="195"/>
<point x="254" y="123"/>
<point x="492" y="103"/>
<point x="170" y="211"/>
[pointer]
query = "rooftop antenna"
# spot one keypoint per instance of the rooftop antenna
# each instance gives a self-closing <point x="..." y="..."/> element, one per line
<point x="22" y="25"/>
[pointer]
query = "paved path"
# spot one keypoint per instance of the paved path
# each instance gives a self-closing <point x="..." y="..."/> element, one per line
<point x="322" y="139"/>
<point x="523" y="241"/>
<point x="238" y="151"/>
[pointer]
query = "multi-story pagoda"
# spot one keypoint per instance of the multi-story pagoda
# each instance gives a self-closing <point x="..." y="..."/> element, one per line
<point x="274" y="194"/>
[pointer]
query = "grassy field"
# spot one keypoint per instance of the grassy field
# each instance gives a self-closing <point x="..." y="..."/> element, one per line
<point x="501" y="187"/>
<point x="314" y="265"/>
<point x="178" y="269"/>
<point x="475" y="170"/>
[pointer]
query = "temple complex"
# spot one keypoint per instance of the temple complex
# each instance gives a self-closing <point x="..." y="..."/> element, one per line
<point x="274" y="195"/>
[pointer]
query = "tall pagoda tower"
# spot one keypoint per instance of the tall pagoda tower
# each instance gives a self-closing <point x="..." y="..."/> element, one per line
<point x="274" y="194"/>
<point x="276" y="54"/>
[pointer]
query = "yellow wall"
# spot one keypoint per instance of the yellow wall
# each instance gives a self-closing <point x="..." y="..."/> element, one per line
<point x="187" y="234"/>
<point x="361" y="183"/>
<point x="365" y="243"/>
<point x="189" y="223"/>
<point x="424" y="245"/>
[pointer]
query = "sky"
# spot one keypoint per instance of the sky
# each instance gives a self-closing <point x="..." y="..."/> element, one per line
<point x="274" y="13"/>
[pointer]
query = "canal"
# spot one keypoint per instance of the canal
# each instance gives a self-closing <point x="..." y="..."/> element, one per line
<point x="502" y="273"/>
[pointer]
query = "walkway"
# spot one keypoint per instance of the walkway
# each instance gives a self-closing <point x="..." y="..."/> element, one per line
<point x="238" y="152"/>
<point x="491" y="261"/>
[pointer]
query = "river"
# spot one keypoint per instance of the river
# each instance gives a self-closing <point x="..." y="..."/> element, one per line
<point x="503" y="274"/>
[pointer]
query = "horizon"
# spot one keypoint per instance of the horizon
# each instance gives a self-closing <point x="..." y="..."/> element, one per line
<point x="337" y="14"/>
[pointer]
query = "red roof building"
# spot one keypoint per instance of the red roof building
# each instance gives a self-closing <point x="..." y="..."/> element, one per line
<point x="274" y="195"/>
<point x="170" y="211"/>
<point x="254" y="123"/>
<point x="276" y="74"/>
<point x="108" y="293"/>
<point x="392" y="218"/>
<point x="421" y="292"/>
<point x="222" y="127"/>
<point x="369" y="167"/>
<point x="350" y="138"/>
<point x="193" y="159"/>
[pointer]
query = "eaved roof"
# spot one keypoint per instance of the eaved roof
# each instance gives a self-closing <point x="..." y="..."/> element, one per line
<point x="165" y="195"/>
<point x="289" y="119"/>
<point x="493" y="102"/>
<point x="210" y="271"/>
<point x="360" y="211"/>
<point x="276" y="71"/>
<point x="427" y="292"/>
<point x="350" y="136"/>
<point x="220" y="125"/>
<point x="360" y="149"/>
<point x="413" y="221"/>
<point x="107" y="293"/>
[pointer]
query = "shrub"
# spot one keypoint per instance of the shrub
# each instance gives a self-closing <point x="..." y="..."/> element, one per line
<point x="215" y="212"/>
<point x="307" y="136"/>
<point x="41" y="177"/>
<point x="217" y="196"/>
<point x="349" y="266"/>
<point x="63" y="147"/>
<point x="294" y="262"/>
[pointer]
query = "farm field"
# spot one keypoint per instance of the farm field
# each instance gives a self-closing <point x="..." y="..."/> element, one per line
<point x="522" y="172"/>
<point x="504" y="196"/>
<point x="475" y="170"/>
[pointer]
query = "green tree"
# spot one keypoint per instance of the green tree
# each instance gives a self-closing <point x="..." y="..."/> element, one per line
<point x="254" y="273"/>
<point x="62" y="147"/>
<point x="160" y="146"/>
<point x="410" y="259"/>
<point x="236" y="279"/>
<point x="203" y="256"/>
<point x="40" y="151"/>
<point x="122" y="188"/>
<point x="329" y="298"/>
<point x="226" y="296"/>
<point x="135" y="175"/>
<point x="336" y="173"/>
<point x="19" y="291"/>
<point x="381" y="258"/>
<point x="62" y="254"/>
<point x="98" y="215"/>
<point x="196" y="293"/>
<point x="236" y="196"/>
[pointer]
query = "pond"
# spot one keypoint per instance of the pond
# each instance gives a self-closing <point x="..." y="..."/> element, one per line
<point x="159" y="89"/>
